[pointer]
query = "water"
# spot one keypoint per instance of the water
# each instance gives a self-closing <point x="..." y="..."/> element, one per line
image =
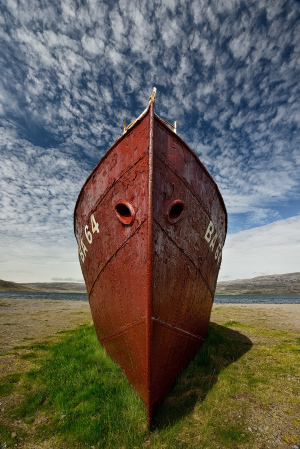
<point x="45" y="295"/>
<point x="257" y="299"/>
<point x="219" y="299"/>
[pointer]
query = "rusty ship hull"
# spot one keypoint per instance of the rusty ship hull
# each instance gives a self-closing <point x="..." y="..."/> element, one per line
<point x="150" y="224"/>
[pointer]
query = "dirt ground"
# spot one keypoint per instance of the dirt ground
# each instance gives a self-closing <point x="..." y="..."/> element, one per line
<point x="35" y="318"/>
<point x="22" y="319"/>
<point x="25" y="322"/>
<point x="277" y="316"/>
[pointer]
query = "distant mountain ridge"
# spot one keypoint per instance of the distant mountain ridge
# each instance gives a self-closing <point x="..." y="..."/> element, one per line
<point x="276" y="284"/>
<point x="60" y="287"/>
<point x="7" y="286"/>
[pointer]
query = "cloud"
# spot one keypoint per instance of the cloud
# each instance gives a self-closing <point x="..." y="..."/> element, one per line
<point x="38" y="191"/>
<point x="67" y="280"/>
<point x="30" y="261"/>
<point x="270" y="249"/>
<point x="71" y="73"/>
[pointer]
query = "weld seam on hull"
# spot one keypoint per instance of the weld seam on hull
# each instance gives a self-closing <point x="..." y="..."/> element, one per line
<point x="188" y="257"/>
<point x="106" y="155"/>
<point x="186" y="183"/>
<point x="212" y="181"/>
<point x="113" y="255"/>
<point x="149" y="261"/>
<point x="117" y="180"/>
<point x="178" y="330"/>
<point x="121" y="330"/>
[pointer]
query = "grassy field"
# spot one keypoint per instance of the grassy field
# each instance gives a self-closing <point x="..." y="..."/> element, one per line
<point x="240" y="391"/>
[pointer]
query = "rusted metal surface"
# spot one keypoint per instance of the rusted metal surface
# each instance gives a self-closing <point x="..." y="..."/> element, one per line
<point x="150" y="225"/>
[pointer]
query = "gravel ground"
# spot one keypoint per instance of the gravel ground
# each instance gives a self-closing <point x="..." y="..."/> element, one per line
<point x="22" y="319"/>
<point x="38" y="319"/>
<point x="279" y="316"/>
<point x="276" y="426"/>
<point x="24" y="322"/>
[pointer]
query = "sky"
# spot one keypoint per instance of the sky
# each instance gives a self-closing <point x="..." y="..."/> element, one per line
<point x="72" y="71"/>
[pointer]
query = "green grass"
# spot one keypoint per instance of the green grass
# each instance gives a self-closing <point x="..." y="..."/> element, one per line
<point x="5" y="436"/>
<point x="232" y="323"/>
<point x="231" y="434"/>
<point x="87" y="400"/>
<point x="7" y="383"/>
<point x="86" y="395"/>
<point x="39" y="345"/>
<point x="29" y="355"/>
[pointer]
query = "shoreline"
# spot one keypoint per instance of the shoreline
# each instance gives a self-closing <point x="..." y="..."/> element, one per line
<point x="37" y="319"/>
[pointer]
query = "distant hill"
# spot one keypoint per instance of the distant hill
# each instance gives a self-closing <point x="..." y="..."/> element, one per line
<point x="276" y="284"/>
<point x="6" y="286"/>
<point x="62" y="287"/>
<point x="67" y="287"/>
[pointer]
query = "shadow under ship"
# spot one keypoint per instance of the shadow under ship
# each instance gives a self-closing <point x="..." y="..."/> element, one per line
<point x="150" y="224"/>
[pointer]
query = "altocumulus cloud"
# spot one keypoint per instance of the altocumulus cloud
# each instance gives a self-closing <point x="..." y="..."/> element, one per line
<point x="261" y="251"/>
<point x="71" y="72"/>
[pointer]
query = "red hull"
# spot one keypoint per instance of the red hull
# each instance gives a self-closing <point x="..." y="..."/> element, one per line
<point x="150" y="225"/>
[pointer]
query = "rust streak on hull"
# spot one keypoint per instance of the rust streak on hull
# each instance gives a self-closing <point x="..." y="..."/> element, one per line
<point x="150" y="224"/>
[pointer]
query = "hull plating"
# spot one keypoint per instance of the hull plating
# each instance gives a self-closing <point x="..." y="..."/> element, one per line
<point x="150" y="225"/>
